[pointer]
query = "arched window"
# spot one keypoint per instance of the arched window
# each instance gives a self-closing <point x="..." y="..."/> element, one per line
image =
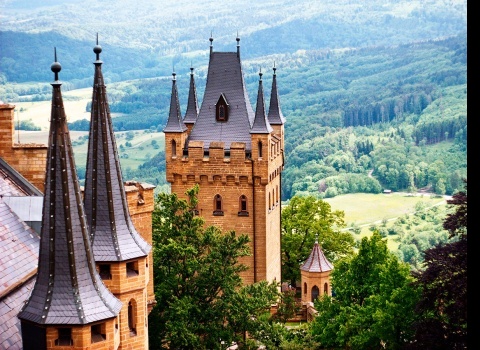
<point x="260" y="150"/>
<point x="305" y="288"/>
<point x="273" y="198"/>
<point x="269" y="201"/>
<point x="315" y="293"/>
<point x="174" y="148"/>
<point x="217" y="205"/>
<point x="242" y="205"/>
<point x="325" y="288"/>
<point x="132" y="317"/>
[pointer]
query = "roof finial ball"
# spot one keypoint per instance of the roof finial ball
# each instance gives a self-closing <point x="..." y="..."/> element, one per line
<point x="55" y="67"/>
<point x="97" y="49"/>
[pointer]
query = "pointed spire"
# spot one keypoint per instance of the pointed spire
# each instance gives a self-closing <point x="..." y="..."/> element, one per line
<point x="113" y="235"/>
<point x="317" y="261"/>
<point x="174" y="122"/>
<point x="68" y="290"/>
<point x="192" y="107"/>
<point x="260" y="124"/>
<point x="238" y="45"/>
<point x="275" y="116"/>
<point x="211" y="42"/>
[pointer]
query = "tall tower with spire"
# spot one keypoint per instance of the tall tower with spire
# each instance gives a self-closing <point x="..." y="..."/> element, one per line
<point x="69" y="304"/>
<point x="121" y="254"/>
<point x="236" y="157"/>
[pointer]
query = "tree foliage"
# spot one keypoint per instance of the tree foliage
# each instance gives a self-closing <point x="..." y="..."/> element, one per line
<point x="443" y="305"/>
<point x="304" y="218"/>
<point x="373" y="302"/>
<point x="199" y="293"/>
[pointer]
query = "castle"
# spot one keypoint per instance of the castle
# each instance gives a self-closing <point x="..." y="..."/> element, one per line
<point x="236" y="156"/>
<point x="76" y="264"/>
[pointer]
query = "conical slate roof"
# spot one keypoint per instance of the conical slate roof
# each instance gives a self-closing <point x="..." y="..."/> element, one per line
<point x="225" y="76"/>
<point x="192" y="106"/>
<point x="275" y="116"/>
<point x="316" y="262"/>
<point x="114" y="237"/>
<point x="260" y="124"/>
<point x="68" y="290"/>
<point x="174" y="122"/>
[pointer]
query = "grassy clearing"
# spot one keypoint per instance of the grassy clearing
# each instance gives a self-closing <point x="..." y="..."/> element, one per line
<point x="142" y="148"/>
<point x="364" y="210"/>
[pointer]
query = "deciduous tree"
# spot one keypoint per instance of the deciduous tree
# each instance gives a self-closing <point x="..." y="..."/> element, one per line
<point x="302" y="219"/>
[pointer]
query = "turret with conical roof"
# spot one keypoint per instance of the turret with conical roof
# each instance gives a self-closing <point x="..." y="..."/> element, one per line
<point x="121" y="253"/>
<point x="260" y="124"/>
<point x="113" y="234"/>
<point x="192" y="105"/>
<point x="315" y="272"/>
<point x="68" y="290"/>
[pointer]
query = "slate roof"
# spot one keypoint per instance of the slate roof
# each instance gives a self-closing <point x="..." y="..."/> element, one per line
<point x="18" y="266"/>
<point x="174" y="122"/>
<point x="12" y="183"/>
<point x="260" y="124"/>
<point x="275" y="116"/>
<point x="316" y="262"/>
<point x="225" y="76"/>
<point x="114" y="236"/>
<point x="192" y="105"/>
<point x="67" y="290"/>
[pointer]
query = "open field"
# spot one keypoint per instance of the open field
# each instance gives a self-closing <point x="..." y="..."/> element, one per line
<point x="365" y="208"/>
<point x="144" y="145"/>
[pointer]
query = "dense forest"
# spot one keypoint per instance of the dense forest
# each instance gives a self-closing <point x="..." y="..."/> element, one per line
<point x="374" y="94"/>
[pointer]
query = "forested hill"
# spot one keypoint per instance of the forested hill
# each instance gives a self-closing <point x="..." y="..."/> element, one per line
<point x="148" y="39"/>
<point x="371" y="87"/>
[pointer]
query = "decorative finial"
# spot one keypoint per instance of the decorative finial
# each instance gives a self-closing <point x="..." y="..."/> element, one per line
<point x="274" y="68"/>
<point x="316" y="238"/>
<point x="97" y="49"/>
<point x="211" y="38"/>
<point x="260" y="74"/>
<point x="56" y="67"/>
<point x="174" y="74"/>
<point x="238" y="39"/>
<point x="191" y="70"/>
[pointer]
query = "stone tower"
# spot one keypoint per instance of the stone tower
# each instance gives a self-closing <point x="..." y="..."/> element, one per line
<point x="236" y="157"/>
<point x="69" y="304"/>
<point x="315" y="273"/>
<point x="121" y="254"/>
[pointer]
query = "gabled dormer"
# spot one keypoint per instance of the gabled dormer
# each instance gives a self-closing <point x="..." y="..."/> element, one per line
<point x="221" y="109"/>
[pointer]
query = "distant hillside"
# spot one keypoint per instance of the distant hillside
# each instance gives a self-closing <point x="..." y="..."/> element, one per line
<point x="148" y="40"/>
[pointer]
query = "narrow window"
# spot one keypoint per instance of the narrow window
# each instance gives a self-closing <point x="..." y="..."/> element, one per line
<point x="105" y="272"/>
<point x="174" y="148"/>
<point x="269" y="201"/>
<point x="132" y="268"/>
<point x="98" y="333"/>
<point x="221" y="109"/>
<point x="305" y="288"/>
<point x="243" y="206"/>
<point x="277" y="198"/>
<point x="325" y="288"/>
<point x="217" y="205"/>
<point x="315" y="292"/>
<point x="64" y="337"/>
<point x="260" y="150"/>
<point x="132" y="318"/>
